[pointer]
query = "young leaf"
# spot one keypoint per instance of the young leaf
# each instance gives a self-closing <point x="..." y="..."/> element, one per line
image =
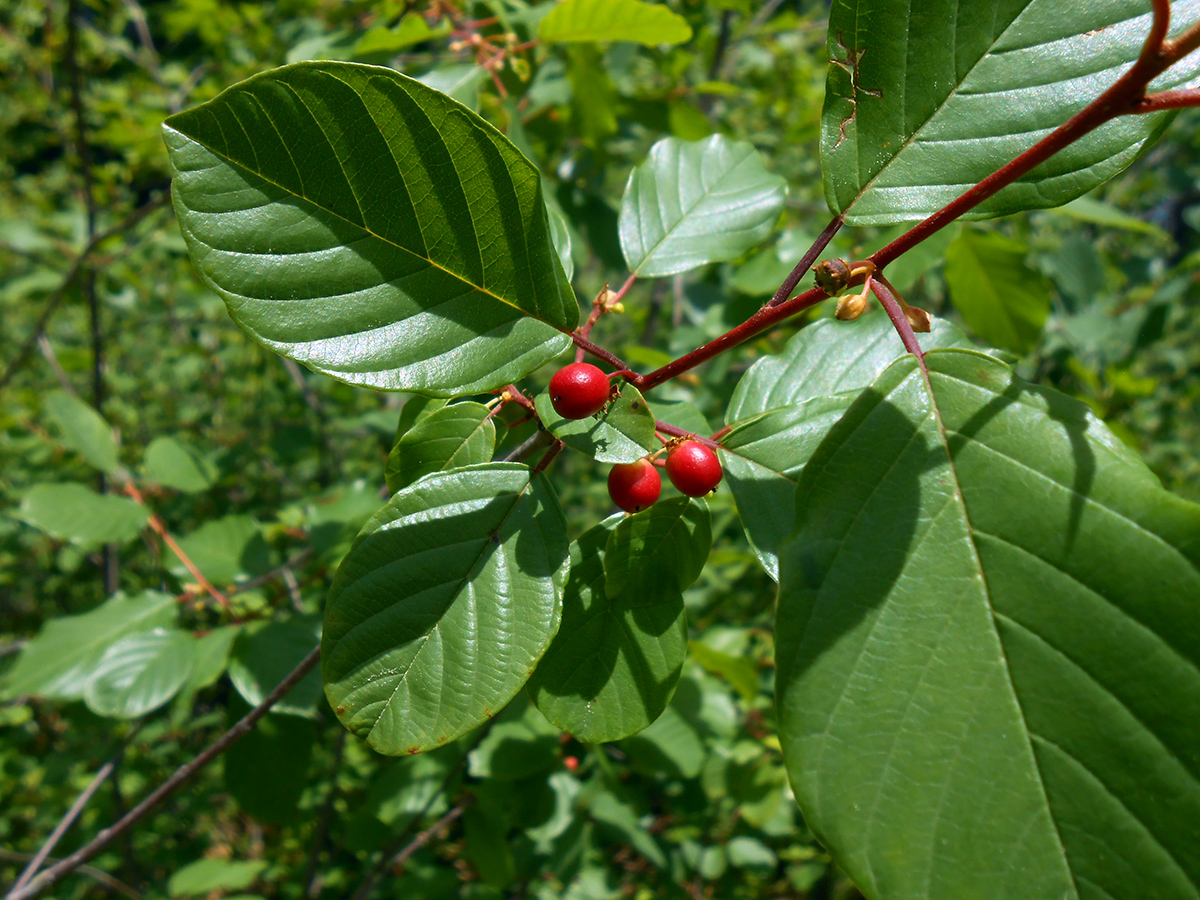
<point x="59" y="662"/>
<point x="623" y="433"/>
<point x="173" y="464"/>
<point x="140" y="672"/>
<point x="458" y="435"/>
<point x="923" y="100"/>
<point x="988" y="643"/>
<point x="698" y="202"/>
<point x="443" y="606"/>
<point x="613" y="20"/>
<point x="371" y="228"/>
<point x="83" y="430"/>
<point x="202" y="877"/>
<point x="1003" y="300"/>
<point x="78" y="514"/>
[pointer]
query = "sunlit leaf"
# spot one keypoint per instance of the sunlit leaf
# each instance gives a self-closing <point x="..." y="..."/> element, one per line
<point x="83" y="430"/>
<point x="140" y="672"/>
<point x="622" y="433"/>
<point x="613" y="20"/>
<point x="78" y="514"/>
<point x="461" y="434"/>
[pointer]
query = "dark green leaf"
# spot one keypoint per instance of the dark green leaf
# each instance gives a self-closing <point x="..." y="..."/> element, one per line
<point x="262" y="657"/>
<point x="613" y="20"/>
<point x="698" y="202"/>
<point x="487" y="847"/>
<point x="1002" y="299"/>
<point x="988" y="643"/>
<point x="461" y="434"/>
<point x="443" y="606"/>
<point x="926" y="99"/>
<point x="266" y="771"/>
<point x="410" y="251"/>
<point x="623" y="433"/>
<point x="659" y="551"/>
<point x="516" y="749"/>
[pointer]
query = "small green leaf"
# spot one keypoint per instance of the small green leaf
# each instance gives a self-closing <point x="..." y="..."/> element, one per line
<point x="740" y="672"/>
<point x="1002" y="299"/>
<point x="173" y="464"/>
<point x="83" y="430"/>
<point x="692" y="203"/>
<point x="267" y="770"/>
<point x="411" y="29"/>
<point x="443" y="606"/>
<point x="659" y="551"/>
<point x="410" y="250"/>
<point x="262" y="657"/>
<point x="613" y="20"/>
<point x="1097" y="212"/>
<point x="59" y="662"/>
<point x="623" y="433"/>
<point x="77" y="514"/>
<point x="461" y="434"/>
<point x="207" y="875"/>
<point x="669" y="746"/>
<point x="140" y="672"/>
<point x="224" y="550"/>
<point x="516" y="749"/>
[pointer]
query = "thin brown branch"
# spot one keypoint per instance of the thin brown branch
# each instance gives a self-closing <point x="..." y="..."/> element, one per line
<point x="91" y="871"/>
<point x="168" y="787"/>
<point x="424" y="837"/>
<point x="802" y="267"/>
<point x="1181" y="99"/>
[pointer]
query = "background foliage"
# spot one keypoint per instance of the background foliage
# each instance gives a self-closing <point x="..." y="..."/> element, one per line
<point x="264" y="472"/>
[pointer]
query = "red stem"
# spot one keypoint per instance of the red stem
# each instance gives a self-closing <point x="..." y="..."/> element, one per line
<point x="789" y="283"/>
<point x="900" y="322"/>
<point x="599" y="352"/>
<point x="667" y="428"/>
<point x="1168" y="100"/>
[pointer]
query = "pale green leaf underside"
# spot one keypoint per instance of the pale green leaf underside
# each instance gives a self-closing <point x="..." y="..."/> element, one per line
<point x="140" y="672"/>
<point x="371" y="228"/>
<point x="613" y="20"/>
<point x="929" y="98"/>
<point x="696" y="202"/>
<point x="461" y="434"/>
<point x="443" y="606"/>
<point x="622" y="433"/>
<point x="989" y="647"/>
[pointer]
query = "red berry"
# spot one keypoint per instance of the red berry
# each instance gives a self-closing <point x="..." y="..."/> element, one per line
<point x="571" y="762"/>
<point x="578" y="390"/>
<point x="634" y="486"/>
<point x="693" y="468"/>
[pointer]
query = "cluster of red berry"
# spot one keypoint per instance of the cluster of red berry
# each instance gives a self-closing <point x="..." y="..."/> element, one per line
<point x="580" y="390"/>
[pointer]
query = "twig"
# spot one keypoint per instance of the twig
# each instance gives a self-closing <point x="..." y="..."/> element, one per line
<point x="529" y="446"/>
<point x="900" y="322"/>
<point x="168" y="787"/>
<point x="667" y="428"/>
<point x="822" y="241"/>
<point x="551" y="454"/>
<point x="423" y="837"/>
<point x="91" y="871"/>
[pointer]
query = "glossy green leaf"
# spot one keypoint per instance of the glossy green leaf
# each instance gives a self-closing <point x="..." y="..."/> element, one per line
<point x="517" y="748"/>
<point x="204" y="876"/>
<point x="72" y="512"/>
<point x="410" y="249"/>
<point x="692" y="203"/>
<point x="623" y="433"/>
<point x="613" y="20"/>
<point x="1003" y="300"/>
<point x="263" y="657"/>
<point x="173" y="464"/>
<point x="140" y="672"/>
<point x="61" y="659"/>
<point x="409" y="787"/>
<point x="988" y="643"/>
<point x="618" y="655"/>
<point x="785" y="405"/>
<point x="924" y="99"/>
<point x="224" y="550"/>
<point x="83" y="430"/>
<point x="443" y="606"/>
<point x="266" y="771"/>
<point x="461" y="434"/>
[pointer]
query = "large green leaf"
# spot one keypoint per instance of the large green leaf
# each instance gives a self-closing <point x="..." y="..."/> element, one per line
<point x="613" y="20"/>
<point x="461" y="434"/>
<point x="371" y="228"/>
<point x="1003" y="300"/>
<point x="443" y="606"/>
<point x="988" y="643"/>
<point x="78" y="514"/>
<point x="83" y="430"/>
<point x="60" y="661"/>
<point x="140" y="672"/>
<point x="692" y="203"/>
<point x="619" y="652"/>
<point x="927" y="97"/>
<point x="785" y="405"/>
<point x="623" y="433"/>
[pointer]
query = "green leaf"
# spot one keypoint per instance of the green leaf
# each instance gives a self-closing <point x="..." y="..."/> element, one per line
<point x="443" y="606"/>
<point x="77" y="514"/>
<point x="1002" y="299"/>
<point x="923" y="100"/>
<point x="739" y="671"/>
<point x="618" y="817"/>
<point x="263" y="657"/>
<point x="371" y="228"/>
<point x="224" y="550"/>
<point x="988" y="643"/>
<point x="59" y="662"/>
<point x="140" y="672"/>
<point x="487" y="847"/>
<point x="785" y="405"/>
<point x="623" y="433"/>
<point x="458" y="82"/>
<point x="407" y="788"/>
<point x="212" y="656"/>
<point x="461" y="434"/>
<point x="411" y="29"/>
<point x="1097" y="212"/>
<point x="516" y="749"/>
<point x="669" y="746"/>
<point x="267" y="770"/>
<point x="207" y="875"/>
<point x="83" y="430"/>
<point x="613" y="20"/>
<point x="173" y="464"/>
<point x="692" y="203"/>
<point x="618" y="654"/>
